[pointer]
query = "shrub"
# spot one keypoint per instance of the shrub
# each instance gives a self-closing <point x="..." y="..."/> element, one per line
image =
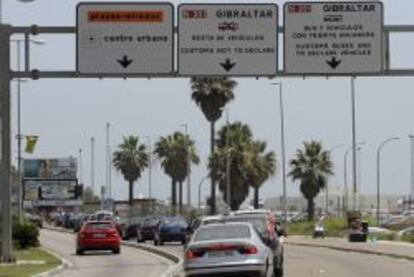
<point x="26" y="234"/>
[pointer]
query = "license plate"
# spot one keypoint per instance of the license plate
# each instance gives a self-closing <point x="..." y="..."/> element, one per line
<point x="99" y="236"/>
<point x="219" y="254"/>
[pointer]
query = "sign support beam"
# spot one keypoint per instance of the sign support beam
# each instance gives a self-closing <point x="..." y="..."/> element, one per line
<point x="5" y="163"/>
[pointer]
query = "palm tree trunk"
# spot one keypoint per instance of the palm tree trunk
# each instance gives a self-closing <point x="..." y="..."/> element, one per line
<point x="213" y="185"/>
<point x="180" y="195"/>
<point x="131" y="197"/>
<point x="173" y="193"/>
<point x="256" y="198"/>
<point x="311" y="209"/>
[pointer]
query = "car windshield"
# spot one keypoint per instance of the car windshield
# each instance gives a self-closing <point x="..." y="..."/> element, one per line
<point x="99" y="225"/>
<point x="218" y="232"/>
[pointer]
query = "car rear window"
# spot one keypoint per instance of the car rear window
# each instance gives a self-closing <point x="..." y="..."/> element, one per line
<point x="99" y="225"/>
<point x="174" y="222"/>
<point x="151" y="222"/>
<point x="258" y="222"/>
<point x="223" y="232"/>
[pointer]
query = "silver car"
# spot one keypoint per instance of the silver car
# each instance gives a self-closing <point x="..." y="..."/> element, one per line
<point x="228" y="249"/>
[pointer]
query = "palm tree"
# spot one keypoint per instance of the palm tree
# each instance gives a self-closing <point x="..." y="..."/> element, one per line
<point x="240" y="138"/>
<point x="260" y="167"/>
<point x="311" y="167"/>
<point x="212" y="95"/>
<point x="174" y="151"/>
<point x="130" y="160"/>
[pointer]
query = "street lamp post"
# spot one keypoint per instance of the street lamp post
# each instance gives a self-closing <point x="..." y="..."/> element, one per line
<point x="228" y="161"/>
<point x="282" y="138"/>
<point x="346" y="173"/>
<point x="19" y="133"/>
<point x="199" y="190"/>
<point x="379" y="173"/>
<point x="150" y="172"/>
<point x="327" y="185"/>
<point x="185" y="125"/>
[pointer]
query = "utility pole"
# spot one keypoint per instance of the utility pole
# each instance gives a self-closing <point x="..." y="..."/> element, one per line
<point x="282" y="140"/>
<point x="412" y="166"/>
<point x="379" y="174"/>
<point x="354" y="145"/>
<point x="228" y="161"/>
<point x="80" y="166"/>
<point x="108" y="163"/>
<point x="93" y="164"/>
<point x="150" y="173"/>
<point x="185" y="125"/>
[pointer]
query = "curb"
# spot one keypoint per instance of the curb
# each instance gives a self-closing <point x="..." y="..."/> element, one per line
<point x="174" y="271"/>
<point x="362" y="251"/>
<point x="54" y="271"/>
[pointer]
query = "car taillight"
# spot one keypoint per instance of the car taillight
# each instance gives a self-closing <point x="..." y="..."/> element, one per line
<point x="82" y="235"/>
<point x="191" y="254"/>
<point x="248" y="250"/>
<point x="112" y="234"/>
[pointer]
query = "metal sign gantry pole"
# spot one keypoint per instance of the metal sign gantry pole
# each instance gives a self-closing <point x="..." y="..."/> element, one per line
<point x="6" y="75"/>
<point x="5" y="163"/>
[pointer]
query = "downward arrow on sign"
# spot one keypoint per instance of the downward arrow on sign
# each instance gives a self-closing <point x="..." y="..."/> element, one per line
<point x="333" y="63"/>
<point x="228" y="65"/>
<point x="125" y="62"/>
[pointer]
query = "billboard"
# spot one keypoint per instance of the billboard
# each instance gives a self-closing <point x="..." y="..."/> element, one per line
<point x="57" y="168"/>
<point x="35" y="190"/>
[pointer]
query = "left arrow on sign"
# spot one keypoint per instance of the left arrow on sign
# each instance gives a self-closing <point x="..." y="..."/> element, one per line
<point x="125" y="61"/>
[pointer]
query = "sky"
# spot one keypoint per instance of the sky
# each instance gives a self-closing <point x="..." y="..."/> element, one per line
<point x="66" y="113"/>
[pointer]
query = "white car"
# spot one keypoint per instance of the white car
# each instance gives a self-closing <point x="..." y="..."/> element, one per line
<point x="228" y="248"/>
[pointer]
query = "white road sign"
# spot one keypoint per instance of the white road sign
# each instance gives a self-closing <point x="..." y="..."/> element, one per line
<point x="333" y="37"/>
<point x="125" y="38"/>
<point x="227" y="39"/>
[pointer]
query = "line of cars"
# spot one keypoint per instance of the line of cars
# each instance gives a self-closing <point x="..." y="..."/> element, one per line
<point x="156" y="229"/>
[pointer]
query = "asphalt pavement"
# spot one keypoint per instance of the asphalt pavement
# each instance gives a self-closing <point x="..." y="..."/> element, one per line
<point x="304" y="261"/>
<point x="131" y="261"/>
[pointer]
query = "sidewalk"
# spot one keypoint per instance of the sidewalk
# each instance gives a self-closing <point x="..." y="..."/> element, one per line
<point x="384" y="248"/>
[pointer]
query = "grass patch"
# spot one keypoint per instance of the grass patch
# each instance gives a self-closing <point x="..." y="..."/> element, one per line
<point x="408" y="238"/>
<point x="389" y="236"/>
<point x="31" y="254"/>
<point x="334" y="227"/>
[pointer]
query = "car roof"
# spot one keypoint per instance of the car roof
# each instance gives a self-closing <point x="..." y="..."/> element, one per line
<point x="258" y="211"/>
<point x="99" y="221"/>
<point x="250" y="225"/>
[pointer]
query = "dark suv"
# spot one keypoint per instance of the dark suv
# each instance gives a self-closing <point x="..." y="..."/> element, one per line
<point x="146" y="230"/>
<point x="264" y="222"/>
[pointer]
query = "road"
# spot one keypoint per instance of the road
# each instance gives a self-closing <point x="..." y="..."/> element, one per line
<point x="131" y="262"/>
<point x="303" y="261"/>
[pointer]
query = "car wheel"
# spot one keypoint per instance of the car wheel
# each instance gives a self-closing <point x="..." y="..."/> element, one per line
<point x="116" y="251"/>
<point x="278" y="272"/>
<point x="79" y="252"/>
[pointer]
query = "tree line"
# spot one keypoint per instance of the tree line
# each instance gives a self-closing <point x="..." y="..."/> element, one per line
<point x="235" y="155"/>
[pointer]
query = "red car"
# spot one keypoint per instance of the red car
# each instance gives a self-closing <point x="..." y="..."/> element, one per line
<point x="98" y="235"/>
